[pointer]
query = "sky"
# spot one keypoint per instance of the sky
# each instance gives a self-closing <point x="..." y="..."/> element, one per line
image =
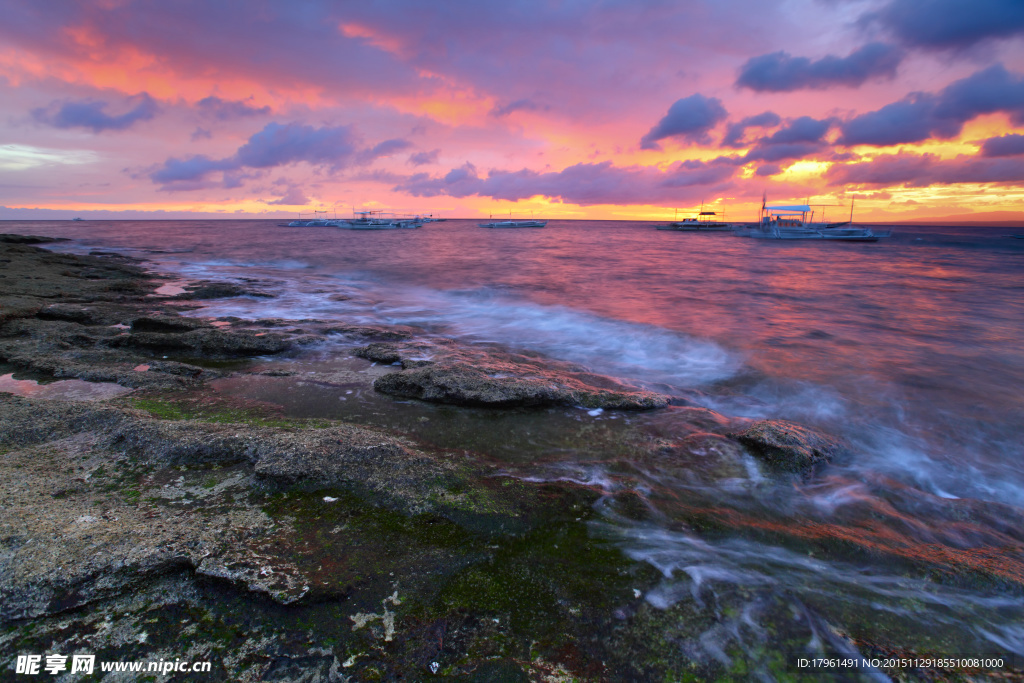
<point x="606" y="109"/>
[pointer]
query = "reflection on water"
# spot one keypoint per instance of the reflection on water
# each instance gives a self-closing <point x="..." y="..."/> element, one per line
<point x="65" y="389"/>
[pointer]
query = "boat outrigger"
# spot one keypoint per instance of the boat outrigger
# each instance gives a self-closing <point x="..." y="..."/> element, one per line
<point x="796" y="222"/>
<point x="704" y="221"/>
<point x="513" y="223"/>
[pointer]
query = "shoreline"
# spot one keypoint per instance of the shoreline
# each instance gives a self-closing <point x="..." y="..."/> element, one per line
<point x="350" y="550"/>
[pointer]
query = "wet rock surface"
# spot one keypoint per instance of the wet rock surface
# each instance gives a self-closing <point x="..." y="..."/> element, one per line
<point x="92" y="318"/>
<point x="173" y="524"/>
<point x="790" y="447"/>
<point x="480" y="376"/>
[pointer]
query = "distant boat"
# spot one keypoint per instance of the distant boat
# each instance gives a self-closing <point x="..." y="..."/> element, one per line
<point x="514" y="223"/>
<point x="796" y="222"/>
<point x="376" y="220"/>
<point x="76" y="218"/>
<point x="705" y="221"/>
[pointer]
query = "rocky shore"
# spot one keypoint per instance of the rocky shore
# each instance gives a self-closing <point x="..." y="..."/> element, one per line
<point x="175" y="523"/>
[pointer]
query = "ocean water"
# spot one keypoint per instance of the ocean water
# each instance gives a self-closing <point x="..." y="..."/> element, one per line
<point x="909" y="348"/>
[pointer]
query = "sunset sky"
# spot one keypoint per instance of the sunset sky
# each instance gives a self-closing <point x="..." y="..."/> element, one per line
<point x="613" y="109"/>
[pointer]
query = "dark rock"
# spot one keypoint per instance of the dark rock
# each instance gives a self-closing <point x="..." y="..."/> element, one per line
<point x="506" y="385"/>
<point x="789" y="447"/>
<point x="77" y="313"/>
<point x="29" y="239"/>
<point x="168" y="323"/>
<point x="371" y="332"/>
<point x="379" y="352"/>
<point x="210" y="342"/>
<point x="218" y="290"/>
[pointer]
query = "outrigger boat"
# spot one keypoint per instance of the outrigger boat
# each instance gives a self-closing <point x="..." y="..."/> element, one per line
<point x="314" y="222"/>
<point x="376" y="220"/>
<point x="796" y="222"/>
<point x="705" y="221"/>
<point x="510" y="223"/>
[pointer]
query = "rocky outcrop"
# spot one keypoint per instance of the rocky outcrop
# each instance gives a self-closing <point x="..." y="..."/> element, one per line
<point x="508" y="386"/>
<point x="218" y="290"/>
<point x="210" y="342"/>
<point x="789" y="447"/>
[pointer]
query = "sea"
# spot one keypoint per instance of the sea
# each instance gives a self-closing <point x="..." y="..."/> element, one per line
<point x="910" y="349"/>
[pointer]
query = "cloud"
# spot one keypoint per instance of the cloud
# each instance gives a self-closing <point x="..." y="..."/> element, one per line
<point x="582" y="184"/>
<point x="781" y="72"/>
<point x="689" y="118"/>
<point x="91" y="114"/>
<point x="225" y="110"/>
<point x="278" y="144"/>
<point x="333" y="147"/>
<point x="949" y="24"/>
<point x="500" y="111"/>
<point x="293" y="197"/>
<point x="1003" y="146"/>
<point x="424" y="158"/>
<point x="383" y="149"/>
<point x="768" y="170"/>
<point x="201" y="134"/>
<point x="922" y="170"/>
<point x="734" y="133"/>
<point x="800" y="138"/>
<point x="920" y="116"/>
<point x="192" y="169"/>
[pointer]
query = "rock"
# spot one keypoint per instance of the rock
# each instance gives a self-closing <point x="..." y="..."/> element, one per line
<point x="218" y="290"/>
<point x="379" y="352"/>
<point x="29" y="239"/>
<point x="84" y="315"/>
<point x="507" y="385"/>
<point x="371" y="332"/>
<point x="168" y="323"/>
<point x="208" y="341"/>
<point x="789" y="447"/>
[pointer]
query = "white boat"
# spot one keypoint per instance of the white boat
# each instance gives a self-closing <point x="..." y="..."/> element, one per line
<point x="704" y="221"/>
<point x="796" y="222"/>
<point x="513" y="223"/>
<point x="376" y="220"/>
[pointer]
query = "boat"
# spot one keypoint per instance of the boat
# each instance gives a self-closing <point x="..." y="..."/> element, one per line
<point x="376" y="220"/>
<point x="513" y="223"/>
<point x="76" y="218"/>
<point x="314" y="222"/>
<point x="796" y="222"/>
<point x="704" y="221"/>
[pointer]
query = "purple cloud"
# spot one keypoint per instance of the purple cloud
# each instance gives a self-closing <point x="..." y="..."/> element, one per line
<point x="800" y="138"/>
<point x="226" y="110"/>
<point x="945" y="24"/>
<point x="920" y="116"/>
<point x="293" y="197"/>
<point x="583" y="184"/>
<point x="689" y="118"/>
<point x="424" y="158"/>
<point x="276" y="145"/>
<point x="191" y="169"/>
<point x="1003" y="146"/>
<point x="518" y="105"/>
<point x="91" y="114"/>
<point x="383" y="149"/>
<point x="735" y="132"/>
<point x="781" y="72"/>
<point x="922" y="170"/>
